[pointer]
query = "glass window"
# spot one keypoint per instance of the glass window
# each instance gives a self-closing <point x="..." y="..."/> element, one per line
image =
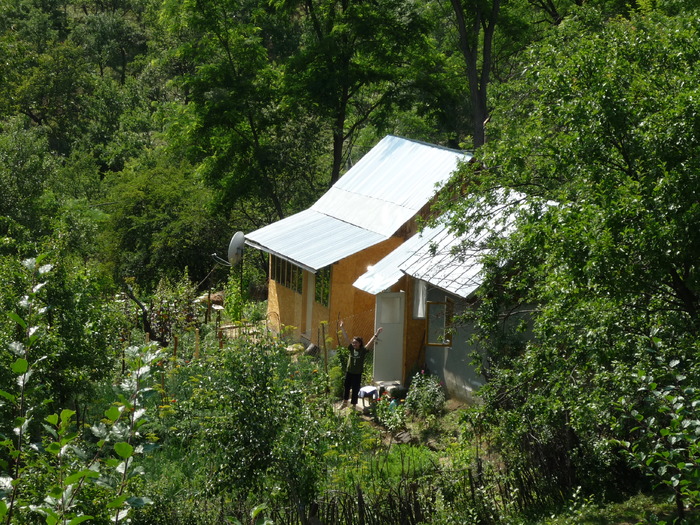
<point x="440" y="319"/>
<point x="420" y="290"/>
<point x="287" y="274"/>
<point x="323" y="286"/>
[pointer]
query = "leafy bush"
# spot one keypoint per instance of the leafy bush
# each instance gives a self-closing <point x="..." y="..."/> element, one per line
<point x="664" y="439"/>
<point x="50" y="467"/>
<point x="426" y="396"/>
<point x="389" y="412"/>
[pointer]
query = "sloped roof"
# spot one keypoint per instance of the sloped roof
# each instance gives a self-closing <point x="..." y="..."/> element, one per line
<point x="367" y="205"/>
<point x="387" y="272"/>
<point x="446" y="264"/>
<point x="439" y="257"/>
<point x="312" y="240"/>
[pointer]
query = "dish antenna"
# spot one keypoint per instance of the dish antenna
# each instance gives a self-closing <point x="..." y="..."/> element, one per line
<point x="235" y="248"/>
<point x="235" y="251"/>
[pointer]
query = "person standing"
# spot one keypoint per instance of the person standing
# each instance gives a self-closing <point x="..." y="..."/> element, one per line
<point x="356" y="362"/>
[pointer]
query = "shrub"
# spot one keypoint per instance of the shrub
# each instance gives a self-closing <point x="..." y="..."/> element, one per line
<point x="389" y="412"/>
<point x="425" y="397"/>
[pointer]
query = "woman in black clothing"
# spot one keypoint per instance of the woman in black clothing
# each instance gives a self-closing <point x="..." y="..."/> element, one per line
<point x="356" y="362"/>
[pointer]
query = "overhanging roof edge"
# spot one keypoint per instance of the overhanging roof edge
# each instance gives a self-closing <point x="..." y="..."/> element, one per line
<point x="442" y="288"/>
<point x="260" y="247"/>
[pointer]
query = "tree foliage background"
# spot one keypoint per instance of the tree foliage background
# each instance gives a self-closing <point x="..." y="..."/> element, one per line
<point x="136" y="136"/>
<point x="594" y="151"/>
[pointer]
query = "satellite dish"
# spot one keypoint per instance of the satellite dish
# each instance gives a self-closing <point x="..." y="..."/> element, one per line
<point x="235" y="248"/>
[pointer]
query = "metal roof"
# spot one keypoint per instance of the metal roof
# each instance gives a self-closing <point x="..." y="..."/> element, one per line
<point x="439" y="257"/>
<point x="444" y="263"/>
<point x="390" y="184"/>
<point x="367" y="205"/>
<point x="387" y="272"/>
<point x="312" y="240"/>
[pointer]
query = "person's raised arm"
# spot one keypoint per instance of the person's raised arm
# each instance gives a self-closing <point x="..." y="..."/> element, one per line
<point x="374" y="337"/>
<point x="345" y="334"/>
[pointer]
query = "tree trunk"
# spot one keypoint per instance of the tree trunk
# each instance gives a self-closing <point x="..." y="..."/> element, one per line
<point x="481" y="29"/>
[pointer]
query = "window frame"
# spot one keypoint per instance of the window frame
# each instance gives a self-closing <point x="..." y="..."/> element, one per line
<point x="445" y="327"/>
<point x="286" y="273"/>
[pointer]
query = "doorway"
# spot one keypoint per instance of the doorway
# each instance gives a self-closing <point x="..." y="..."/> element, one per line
<point x="388" y="350"/>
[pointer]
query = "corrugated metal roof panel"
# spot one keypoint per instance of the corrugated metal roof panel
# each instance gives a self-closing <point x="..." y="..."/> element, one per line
<point x="312" y="240"/>
<point x="438" y="257"/>
<point x="368" y="204"/>
<point x="386" y="272"/>
<point x="437" y="263"/>
<point x="390" y="184"/>
<point x="454" y="263"/>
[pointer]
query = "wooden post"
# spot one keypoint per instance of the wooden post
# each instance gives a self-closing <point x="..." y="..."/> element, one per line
<point x="196" y="343"/>
<point x="208" y="316"/>
<point x="325" y="357"/>
<point x="221" y="339"/>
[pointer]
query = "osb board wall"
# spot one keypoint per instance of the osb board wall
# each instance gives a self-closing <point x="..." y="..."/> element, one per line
<point x="284" y="309"/>
<point x="273" y="306"/>
<point x="356" y="308"/>
<point x="353" y="306"/>
<point x="321" y="314"/>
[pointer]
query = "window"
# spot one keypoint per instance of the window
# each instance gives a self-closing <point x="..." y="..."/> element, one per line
<point x="287" y="274"/>
<point x="323" y="286"/>
<point x="420" y="290"/>
<point x="440" y="319"/>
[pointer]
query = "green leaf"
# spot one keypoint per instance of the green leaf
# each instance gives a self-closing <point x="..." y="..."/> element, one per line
<point x="8" y="396"/>
<point x="112" y="413"/>
<point x="52" y="418"/>
<point x="79" y="519"/>
<point x="66" y="415"/>
<point x="117" y="502"/>
<point x="138" y="502"/>
<point x="17" y="319"/>
<point x="87" y="473"/>
<point x="257" y="510"/>
<point x="51" y="430"/>
<point x="53" y="448"/>
<point x="20" y="366"/>
<point x="124" y="449"/>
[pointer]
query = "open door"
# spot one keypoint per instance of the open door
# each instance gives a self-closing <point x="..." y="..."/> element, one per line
<point x="388" y="350"/>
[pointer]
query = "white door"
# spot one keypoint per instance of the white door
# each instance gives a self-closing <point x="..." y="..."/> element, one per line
<point x="388" y="350"/>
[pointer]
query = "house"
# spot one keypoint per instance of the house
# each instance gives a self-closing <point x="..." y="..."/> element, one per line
<point x="433" y="277"/>
<point x="318" y="255"/>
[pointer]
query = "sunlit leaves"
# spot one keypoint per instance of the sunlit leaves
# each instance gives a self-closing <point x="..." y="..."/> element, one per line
<point x="599" y="132"/>
<point x="123" y="449"/>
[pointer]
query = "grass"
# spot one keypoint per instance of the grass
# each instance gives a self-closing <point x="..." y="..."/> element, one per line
<point x="642" y="509"/>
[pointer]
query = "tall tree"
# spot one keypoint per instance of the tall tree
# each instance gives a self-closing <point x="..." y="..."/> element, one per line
<point x="492" y="36"/>
<point x="250" y="143"/>
<point x="602" y="137"/>
<point x="354" y="58"/>
<point x="161" y="222"/>
<point x="476" y="24"/>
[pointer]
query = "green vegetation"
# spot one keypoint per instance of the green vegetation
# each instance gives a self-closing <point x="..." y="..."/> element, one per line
<point x="205" y="433"/>
<point x="137" y="136"/>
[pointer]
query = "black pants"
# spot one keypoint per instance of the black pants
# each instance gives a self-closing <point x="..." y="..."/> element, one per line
<point x="352" y="382"/>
